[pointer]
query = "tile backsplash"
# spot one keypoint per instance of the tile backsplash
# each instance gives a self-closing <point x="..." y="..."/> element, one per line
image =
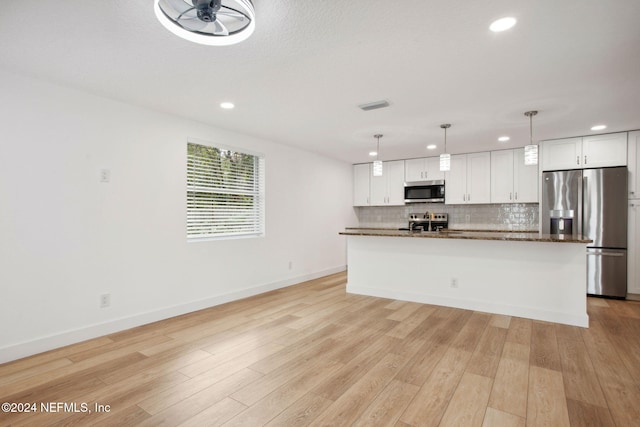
<point x="511" y="216"/>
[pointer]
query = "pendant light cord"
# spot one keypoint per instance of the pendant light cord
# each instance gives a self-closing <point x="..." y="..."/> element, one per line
<point x="378" y="136"/>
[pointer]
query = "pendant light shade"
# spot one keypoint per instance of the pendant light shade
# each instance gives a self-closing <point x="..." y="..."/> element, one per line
<point x="377" y="164"/>
<point x="531" y="150"/>
<point x="445" y="158"/>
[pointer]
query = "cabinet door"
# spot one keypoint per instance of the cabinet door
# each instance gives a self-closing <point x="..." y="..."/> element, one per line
<point x="525" y="179"/>
<point x="395" y="174"/>
<point x="378" y="192"/>
<point x="633" y="248"/>
<point x="562" y="154"/>
<point x="604" y="150"/>
<point x="414" y="170"/>
<point x="455" y="190"/>
<point x="479" y="178"/>
<point x="432" y="166"/>
<point x="502" y="165"/>
<point x="633" y="161"/>
<point x="361" y="174"/>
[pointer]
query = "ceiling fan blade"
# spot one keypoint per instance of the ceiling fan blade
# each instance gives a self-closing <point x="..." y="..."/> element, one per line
<point x="179" y="6"/>
<point x="193" y="24"/>
<point x="220" y="30"/>
<point x="235" y="15"/>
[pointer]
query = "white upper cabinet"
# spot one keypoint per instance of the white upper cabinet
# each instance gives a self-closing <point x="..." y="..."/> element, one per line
<point x="361" y="182"/>
<point x="423" y="169"/>
<point x="502" y="176"/>
<point x="511" y="180"/>
<point x="634" y="165"/>
<point x="455" y="185"/>
<point x="388" y="189"/>
<point x="604" y="150"/>
<point x="469" y="180"/>
<point x="562" y="154"/>
<point x="585" y="152"/>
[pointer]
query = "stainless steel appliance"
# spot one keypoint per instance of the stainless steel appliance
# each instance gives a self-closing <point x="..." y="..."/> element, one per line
<point x="593" y="203"/>
<point x="428" y="221"/>
<point x="424" y="191"/>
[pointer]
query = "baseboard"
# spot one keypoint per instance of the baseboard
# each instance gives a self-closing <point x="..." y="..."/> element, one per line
<point x="50" y="342"/>
<point x="633" y="297"/>
<point x="476" y="305"/>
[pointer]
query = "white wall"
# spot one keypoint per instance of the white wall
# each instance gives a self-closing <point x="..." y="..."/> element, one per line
<point x="66" y="238"/>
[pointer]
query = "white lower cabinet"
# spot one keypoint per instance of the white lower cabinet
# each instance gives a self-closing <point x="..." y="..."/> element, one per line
<point x="511" y="180"/>
<point x="469" y="180"/>
<point x="388" y="189"/>
<point x="633" y="248"/>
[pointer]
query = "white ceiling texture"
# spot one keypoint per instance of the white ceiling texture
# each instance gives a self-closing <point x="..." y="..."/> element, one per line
<point x="299" y="78"/>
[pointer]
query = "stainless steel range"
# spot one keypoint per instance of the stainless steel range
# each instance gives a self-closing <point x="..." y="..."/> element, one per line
<point x="428" y="221"/>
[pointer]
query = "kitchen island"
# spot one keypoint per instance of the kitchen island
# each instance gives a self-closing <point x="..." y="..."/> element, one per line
<point x="532" y="275"/>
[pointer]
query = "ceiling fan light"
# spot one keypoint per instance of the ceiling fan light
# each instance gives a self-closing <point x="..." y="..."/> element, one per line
<point x="209" y="39"/>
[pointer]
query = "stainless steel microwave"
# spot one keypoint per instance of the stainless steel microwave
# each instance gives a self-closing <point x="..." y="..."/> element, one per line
<point x="424" y="192"/>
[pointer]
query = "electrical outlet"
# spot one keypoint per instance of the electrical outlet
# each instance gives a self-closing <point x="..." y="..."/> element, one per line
<point x="454" y="282"/>
<point x="105" y="300"/>
<point x="105" y="175"/>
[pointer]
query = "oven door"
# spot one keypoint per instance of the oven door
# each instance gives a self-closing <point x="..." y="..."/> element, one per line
<point x="424" y="191"/>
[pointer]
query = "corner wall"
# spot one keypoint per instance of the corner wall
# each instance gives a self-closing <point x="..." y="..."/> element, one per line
<point x="66" y="238"/>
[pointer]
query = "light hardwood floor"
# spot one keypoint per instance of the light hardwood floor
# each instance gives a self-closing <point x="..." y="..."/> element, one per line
<point x="313" y="355"/>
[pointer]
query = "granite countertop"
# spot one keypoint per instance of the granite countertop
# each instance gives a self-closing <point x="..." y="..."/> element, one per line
<point x="513" y="236"/>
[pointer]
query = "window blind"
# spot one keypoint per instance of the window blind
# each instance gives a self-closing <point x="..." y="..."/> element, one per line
<point x="225" y="193"/>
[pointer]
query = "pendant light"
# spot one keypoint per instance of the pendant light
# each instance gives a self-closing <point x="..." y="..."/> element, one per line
<point x="531" y="150"/>
<point x="377" y="164"/>
<point x="445" y="158"/>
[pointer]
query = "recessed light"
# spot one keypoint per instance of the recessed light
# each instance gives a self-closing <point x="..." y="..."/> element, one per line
<point x="502" y="24"/>
<point x="599" y="127"/>
<point x="504" y="139"/>
<point x="373" y="153"/>
<point x="431" y="147"/>
<point x="227" y="105"/>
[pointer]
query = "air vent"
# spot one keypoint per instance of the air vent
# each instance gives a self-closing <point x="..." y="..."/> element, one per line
<point x="374" y="105"/>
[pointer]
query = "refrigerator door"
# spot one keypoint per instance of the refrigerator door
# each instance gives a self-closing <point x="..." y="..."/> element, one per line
<point x="562" y="195"/>
<point x="605" y="207"/>
<point x="607" y="272"/>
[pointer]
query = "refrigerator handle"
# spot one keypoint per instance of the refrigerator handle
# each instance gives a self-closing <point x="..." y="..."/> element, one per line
<point x="582" y="189"/>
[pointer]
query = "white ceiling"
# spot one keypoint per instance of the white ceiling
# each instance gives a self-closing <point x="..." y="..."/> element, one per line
<point x="299" y="78"/>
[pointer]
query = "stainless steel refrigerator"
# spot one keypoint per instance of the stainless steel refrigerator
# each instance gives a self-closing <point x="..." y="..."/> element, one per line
<point x="591" y="202"/>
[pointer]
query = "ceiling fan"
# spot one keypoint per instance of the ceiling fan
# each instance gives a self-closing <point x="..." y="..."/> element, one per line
<point x="210" y="22"/>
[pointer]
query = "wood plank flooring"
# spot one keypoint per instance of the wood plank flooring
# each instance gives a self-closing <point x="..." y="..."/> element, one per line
<point x="312" y="355"/>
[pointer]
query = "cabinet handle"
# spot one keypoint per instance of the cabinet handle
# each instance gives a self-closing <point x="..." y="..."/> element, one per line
<point x="425" y="174"/>
<point x="509" y="196"/>
<point x="516" y="195"/>
<point x="585" y="160"/>
<point x="464" y="197"/>
<point x="577" y="160"/>
<point x="468" y="197"/>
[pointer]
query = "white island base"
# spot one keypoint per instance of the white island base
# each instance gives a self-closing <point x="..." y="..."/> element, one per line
<point x="535" y="280"/>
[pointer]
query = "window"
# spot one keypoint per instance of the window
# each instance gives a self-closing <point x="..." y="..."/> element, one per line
<point x="225" y="193"/>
